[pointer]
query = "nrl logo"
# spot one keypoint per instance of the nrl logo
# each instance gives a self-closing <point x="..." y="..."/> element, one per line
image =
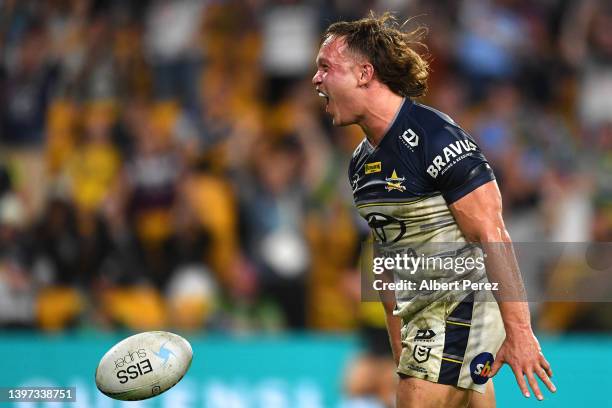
<point x="412" y="140"/>
<point x="395" y="183"/>
<point x="421" y="353"/>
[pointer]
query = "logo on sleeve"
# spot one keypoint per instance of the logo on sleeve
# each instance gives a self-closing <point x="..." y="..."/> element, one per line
<point x="480" y="367"/>
<point x="451" y="154"/>
<point x="410" y="139"/>
<point x="395" y="183"/>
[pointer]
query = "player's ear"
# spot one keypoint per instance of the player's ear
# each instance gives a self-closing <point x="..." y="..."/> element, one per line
<point x="366" y="74"/>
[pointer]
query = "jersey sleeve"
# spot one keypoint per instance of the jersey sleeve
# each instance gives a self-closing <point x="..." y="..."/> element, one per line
<point x="455" y="164"/>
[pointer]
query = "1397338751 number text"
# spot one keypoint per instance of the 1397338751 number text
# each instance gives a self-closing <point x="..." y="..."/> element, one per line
<point x="34" y="394"/>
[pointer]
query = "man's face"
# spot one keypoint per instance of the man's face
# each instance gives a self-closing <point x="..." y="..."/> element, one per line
<point x="337" y="81"/>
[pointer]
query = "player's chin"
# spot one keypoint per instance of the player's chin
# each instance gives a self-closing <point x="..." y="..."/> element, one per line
<point x="337" y="120"/>
<point x="338" y="117"/>
<point x="339" y="123"/>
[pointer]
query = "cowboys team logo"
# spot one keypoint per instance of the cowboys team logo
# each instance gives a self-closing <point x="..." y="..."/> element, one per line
<point x="421" y="353"/>
<point x="395" y="183"/>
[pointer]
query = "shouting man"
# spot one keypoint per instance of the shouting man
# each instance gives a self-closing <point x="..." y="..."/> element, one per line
<point x="418" y="177"/>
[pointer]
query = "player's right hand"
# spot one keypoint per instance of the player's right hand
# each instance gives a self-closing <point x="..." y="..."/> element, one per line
<point x="522" y="352"/>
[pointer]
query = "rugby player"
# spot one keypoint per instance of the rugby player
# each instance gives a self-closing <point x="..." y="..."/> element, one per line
<point x="417" y="176"/>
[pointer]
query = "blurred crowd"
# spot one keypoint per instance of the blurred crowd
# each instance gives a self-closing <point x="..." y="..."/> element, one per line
<point x="168" y="163"/>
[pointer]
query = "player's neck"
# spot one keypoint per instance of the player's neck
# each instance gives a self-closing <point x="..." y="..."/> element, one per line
<point x="381" y="111"/>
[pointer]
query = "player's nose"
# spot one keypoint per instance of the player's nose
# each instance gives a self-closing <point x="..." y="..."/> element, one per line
<point x="316" y="79"/>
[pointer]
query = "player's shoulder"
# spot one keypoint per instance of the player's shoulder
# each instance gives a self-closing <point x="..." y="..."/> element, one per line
<point x="447" y="145"/>
<point x="434" y="123"/>
<point x="419" y="131"/>
<point x="439" y="129"/>
<point x="430" y="119"/>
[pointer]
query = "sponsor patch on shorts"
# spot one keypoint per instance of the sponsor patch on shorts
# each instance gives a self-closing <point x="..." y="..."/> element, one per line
<point x="480" y="367"/>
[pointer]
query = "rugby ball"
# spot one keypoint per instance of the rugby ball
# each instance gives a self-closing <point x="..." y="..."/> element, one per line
<point x="143" y="365"/>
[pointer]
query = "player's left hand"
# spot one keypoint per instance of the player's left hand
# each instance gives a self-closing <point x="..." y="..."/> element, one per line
<point x="522" y="352"/>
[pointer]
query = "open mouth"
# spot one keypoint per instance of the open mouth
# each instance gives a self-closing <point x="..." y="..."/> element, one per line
<point x="323" y="95"/>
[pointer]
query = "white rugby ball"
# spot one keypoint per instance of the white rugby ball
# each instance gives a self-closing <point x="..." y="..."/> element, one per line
<point x="143" y="365"/>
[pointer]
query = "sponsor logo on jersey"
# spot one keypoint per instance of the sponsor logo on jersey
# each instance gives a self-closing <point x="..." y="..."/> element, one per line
<point x="374" y="167"/>
<point x="379" y="221"/>
<point x="480" y="367"/>
<point x="451" y="154"/>
<point x="410" y="138"/>
<point x="421" y="353"/>
<point x="395" y="183"/>
<point x="425" y="334"/>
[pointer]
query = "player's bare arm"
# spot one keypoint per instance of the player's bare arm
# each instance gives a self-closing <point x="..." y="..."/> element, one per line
<point x="479" y="216"/>
<point x="393" y="327"/>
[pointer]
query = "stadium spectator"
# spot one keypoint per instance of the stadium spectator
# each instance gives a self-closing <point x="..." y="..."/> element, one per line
<point x="160" y="149"/>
